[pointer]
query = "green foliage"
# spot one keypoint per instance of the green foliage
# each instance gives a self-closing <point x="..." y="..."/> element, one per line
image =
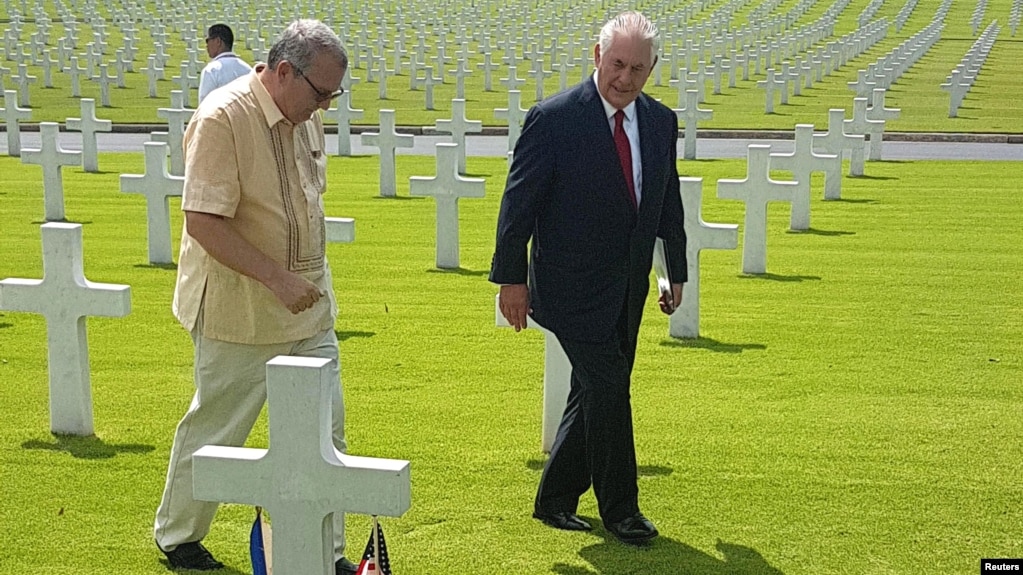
<point x="989" y="107"/>
<point x="851" y="412"/>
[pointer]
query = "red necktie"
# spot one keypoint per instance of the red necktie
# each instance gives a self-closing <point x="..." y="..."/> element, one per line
<point x="625" y="154"/>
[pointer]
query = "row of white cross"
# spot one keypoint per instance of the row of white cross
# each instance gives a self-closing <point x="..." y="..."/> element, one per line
<point x="965" y="73"/>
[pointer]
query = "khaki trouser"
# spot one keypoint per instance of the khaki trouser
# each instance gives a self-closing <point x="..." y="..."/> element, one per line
<point x="230" y="390"/>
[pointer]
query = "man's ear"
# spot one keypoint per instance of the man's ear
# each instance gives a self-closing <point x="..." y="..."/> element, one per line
<point x="596" y="54"/>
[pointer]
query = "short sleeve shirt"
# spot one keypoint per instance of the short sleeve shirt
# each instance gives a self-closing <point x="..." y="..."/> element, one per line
<point x="246" y="162"/>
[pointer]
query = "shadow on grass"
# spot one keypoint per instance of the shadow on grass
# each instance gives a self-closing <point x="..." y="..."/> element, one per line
<point x="64" y="221"/>
<point x="225" y="570"/>
<point x="866" y="177"/>
<point x="712" y="345"/>
<point x="459" y="271"/>
<point x="537" y="463"/>
<point x="170" y="266"/>
<point x="816" y="232"/>
<point x="778" y="277"/>
<point x="90" y="447"/>
<point x="854" y="201"/>
<point x="666" y="555"/>
<point x="5" y="324"/>
<point x="346" y="335"/>
<point x="402" y="198"/>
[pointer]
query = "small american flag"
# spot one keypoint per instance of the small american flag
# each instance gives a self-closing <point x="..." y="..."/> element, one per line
<point x="375" y="560"/>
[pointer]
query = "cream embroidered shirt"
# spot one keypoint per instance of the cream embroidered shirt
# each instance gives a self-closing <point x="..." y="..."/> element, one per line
<point x="246" y="162"/>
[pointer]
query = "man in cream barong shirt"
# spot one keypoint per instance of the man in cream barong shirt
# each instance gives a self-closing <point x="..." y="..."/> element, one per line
<point x="253" y="279"/>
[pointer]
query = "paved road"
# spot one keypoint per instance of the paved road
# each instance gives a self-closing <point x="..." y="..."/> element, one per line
<point x="496" y="146"/>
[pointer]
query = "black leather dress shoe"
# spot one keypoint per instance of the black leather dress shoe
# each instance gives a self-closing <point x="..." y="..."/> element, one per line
<point x="192" y="556"/>
<point x="345" y="567"/>
<point x="563" y="520"/>
<point x="633" y="530"/>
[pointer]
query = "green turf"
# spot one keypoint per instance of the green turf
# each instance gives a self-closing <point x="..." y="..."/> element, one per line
<point x="854" y="411"/>
<point x="989" y="107"/>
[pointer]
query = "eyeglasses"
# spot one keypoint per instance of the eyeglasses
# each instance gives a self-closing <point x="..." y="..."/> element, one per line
<point x="321" y="96"/>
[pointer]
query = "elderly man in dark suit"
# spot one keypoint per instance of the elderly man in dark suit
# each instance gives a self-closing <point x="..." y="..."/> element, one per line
<point x="593" y="183"/>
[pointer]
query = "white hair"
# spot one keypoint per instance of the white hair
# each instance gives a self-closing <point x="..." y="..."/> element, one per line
<point x="630" y="23"/>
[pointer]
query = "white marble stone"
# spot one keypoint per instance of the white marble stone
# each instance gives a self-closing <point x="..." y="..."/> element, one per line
<point x="157" y="184"/>
<point x="446" y="188"/>
<point x="700" y="235"/>
<point x="65" y="298"/>
<point x="756" y="190"/>
<point x="301" y="479"/>
<point x="557" y="378"/>
<point x="339" y="230"/>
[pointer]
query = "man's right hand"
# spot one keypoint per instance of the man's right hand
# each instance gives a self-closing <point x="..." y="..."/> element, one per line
<point x="515" y="305"/>
<point x="295" y="292"/>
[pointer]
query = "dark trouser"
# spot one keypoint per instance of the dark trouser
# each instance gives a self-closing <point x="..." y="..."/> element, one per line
<point x="594" y="442"/>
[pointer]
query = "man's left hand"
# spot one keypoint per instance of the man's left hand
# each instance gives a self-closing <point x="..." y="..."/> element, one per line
<point x="669" y="307"/>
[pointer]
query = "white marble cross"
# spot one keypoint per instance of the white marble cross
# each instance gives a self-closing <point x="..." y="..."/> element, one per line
<point x="51" y="157"/>
<point x="700" y="235"/>
<point x="302" y="479"/>
<point x="771" y="85"/>
<point x="458" y="126"/>
<point x="75" y="72"/>
<point x="387" y="140"/>
<point x="836" y="141"/>
<point x="446" y="188"/>
<point x="13" y="115"/>
<point x="957" y="86"/>
<point x="861" y="124"/>
<point x="802" y="162"/>
<point x="512" y="82"/>
<point x="513" y="114"/>
<point x="153" y="72"/>
<point x="177" y="116"/>
<point x="88" y="125"/>
<point x="23" y="79"/>
<point x="343" y="114"/>
<point x="105" y="80"/>
<point x="690" y="115"/>
<point x="756" y="190"/>
<point x="65" y="298"/>
<point x="557" y="378"/>
<point x="862" y="86"/>
<point x="156" y="185"/>
<point x="185" y="83"/>
<point x="877" y="111"/>
<point x="487" y="66"/>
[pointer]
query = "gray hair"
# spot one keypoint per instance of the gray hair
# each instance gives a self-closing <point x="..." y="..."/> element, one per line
<point x="301" y="41"/>
<point x="628" y="24"/>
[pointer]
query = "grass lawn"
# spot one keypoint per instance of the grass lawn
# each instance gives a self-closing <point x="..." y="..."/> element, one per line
<point x="854" y="411"/>
<point x="989" y="107"/>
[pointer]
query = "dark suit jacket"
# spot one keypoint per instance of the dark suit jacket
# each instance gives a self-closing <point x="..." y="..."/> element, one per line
<point x="591" y="251"/>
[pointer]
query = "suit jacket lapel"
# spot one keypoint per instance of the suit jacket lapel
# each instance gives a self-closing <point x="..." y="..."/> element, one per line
<point x="648" y="138"/>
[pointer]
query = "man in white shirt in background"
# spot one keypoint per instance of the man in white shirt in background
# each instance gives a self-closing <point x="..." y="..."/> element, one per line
<point x="225" y="65"/>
